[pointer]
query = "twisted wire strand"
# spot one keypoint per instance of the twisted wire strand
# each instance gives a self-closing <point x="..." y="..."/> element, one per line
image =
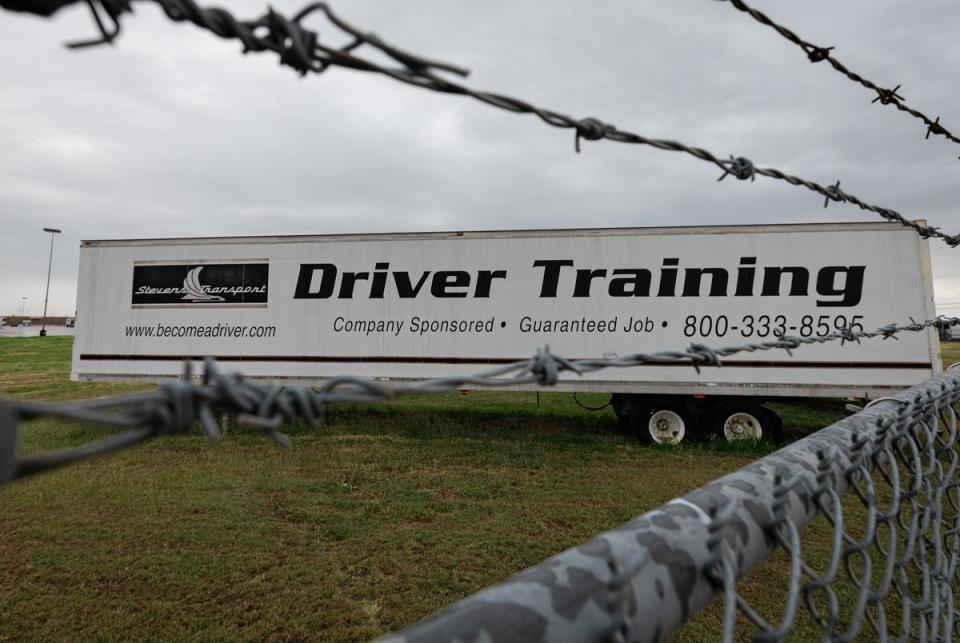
<point x="176" y="407"/>
<point x="301" y="49"/>
<point x="817" y="54"/>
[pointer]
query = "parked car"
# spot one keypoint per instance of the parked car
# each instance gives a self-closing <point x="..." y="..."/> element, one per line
<point x="26" y="322"/>
<point x="71" y="322"/>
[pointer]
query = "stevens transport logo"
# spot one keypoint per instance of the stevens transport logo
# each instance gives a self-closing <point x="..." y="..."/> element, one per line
<point x="192" y="284"/>
<point x="195" y="291"/>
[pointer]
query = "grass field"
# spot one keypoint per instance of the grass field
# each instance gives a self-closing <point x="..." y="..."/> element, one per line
<point x="384" y="516"/>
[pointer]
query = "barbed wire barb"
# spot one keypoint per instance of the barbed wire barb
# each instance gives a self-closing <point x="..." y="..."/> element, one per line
<point x="107" y="36"/>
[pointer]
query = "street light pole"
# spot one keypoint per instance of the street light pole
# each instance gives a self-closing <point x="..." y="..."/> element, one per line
<point x="43" y="323"/>
<point x="23" y="306"/>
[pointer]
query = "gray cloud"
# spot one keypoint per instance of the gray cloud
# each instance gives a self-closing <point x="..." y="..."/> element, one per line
<point x="173" y="133"/>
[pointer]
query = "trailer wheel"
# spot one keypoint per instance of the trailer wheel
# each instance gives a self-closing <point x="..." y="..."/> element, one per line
<point x="736" y="421"/>
<point x="661" y="423"/>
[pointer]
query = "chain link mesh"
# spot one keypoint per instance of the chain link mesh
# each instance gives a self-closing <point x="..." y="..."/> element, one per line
<point x="882" y="485"/>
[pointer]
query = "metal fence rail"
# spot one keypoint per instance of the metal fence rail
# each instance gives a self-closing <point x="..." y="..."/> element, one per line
<point x="644" y="579"/>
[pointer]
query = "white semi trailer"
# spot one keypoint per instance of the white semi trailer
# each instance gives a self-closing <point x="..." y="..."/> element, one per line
<point x="419" y="305"/>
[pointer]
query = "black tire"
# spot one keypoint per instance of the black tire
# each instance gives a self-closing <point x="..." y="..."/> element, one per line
<point x="662" y="423"/>
<point x="746" y="420"/>
<point x="621" y="408"/>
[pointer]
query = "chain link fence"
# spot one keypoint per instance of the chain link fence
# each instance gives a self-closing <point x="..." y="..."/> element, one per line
<point x="885" y="482"/>
<point x="882" y="484"/>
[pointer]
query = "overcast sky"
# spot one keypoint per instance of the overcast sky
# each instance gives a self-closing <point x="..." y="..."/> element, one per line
<point x="173" y="133"/>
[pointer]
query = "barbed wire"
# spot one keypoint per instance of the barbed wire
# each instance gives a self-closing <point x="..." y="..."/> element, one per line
<point x="301" y="49"/>
<point x="699" y="544"/>
<point x="175" y="408"/>
<point x="817" y="54"/>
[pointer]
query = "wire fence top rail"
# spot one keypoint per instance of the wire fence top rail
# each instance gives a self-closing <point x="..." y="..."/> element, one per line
<point x="644" y="579"/>
<point x="818" y="54"/>
<point x="301" y="49"/>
